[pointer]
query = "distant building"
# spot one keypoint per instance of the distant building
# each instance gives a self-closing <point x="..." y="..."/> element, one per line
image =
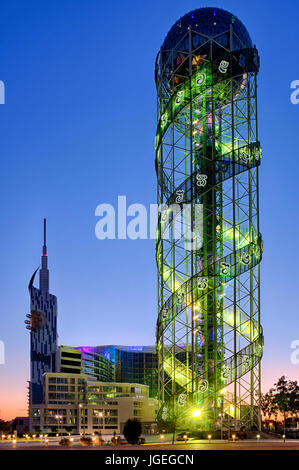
<point x="73" y="404"/>
<point x="42" y="323"/>
<point x="20" y="424"/>
<point x="133" y="364"/>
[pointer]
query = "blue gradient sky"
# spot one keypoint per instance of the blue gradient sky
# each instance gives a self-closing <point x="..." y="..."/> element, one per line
<point x="78" y="129"/>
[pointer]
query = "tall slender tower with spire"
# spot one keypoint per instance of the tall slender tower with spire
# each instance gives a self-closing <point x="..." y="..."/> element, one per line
<point x="44" y="272"/>
<point x="42" y="323"/>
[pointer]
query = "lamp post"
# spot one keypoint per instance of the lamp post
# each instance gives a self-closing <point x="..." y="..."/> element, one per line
<point x="79" y="418"/>
<point x="101" y="416"/>
<point x="82" y="417"/>
<point x="58" y="417"/>
<point x="221" y="428"/>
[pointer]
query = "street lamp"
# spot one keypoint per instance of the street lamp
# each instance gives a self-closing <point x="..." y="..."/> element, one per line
<point x="59" y="421"/>
<point x="81" y="418"/>
<point x="196" y="413"/>
<point x="221" y="427"/>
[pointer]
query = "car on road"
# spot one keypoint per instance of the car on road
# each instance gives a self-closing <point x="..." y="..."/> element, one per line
<point x="183" y="436"/>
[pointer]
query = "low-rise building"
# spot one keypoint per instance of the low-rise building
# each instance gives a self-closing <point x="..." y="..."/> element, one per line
<point x="21" y="424"/>
<point x="112" y="363"/>
<point x="73" y="404"/>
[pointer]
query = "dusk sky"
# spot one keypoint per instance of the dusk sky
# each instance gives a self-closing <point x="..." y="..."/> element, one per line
<point x="77" y="130"/>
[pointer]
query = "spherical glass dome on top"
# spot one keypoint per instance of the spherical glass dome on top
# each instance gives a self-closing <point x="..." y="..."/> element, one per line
<point x="208" y="21"/>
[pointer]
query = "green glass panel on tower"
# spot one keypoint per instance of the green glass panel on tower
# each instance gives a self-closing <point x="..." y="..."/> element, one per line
<point x="209" y="338"/>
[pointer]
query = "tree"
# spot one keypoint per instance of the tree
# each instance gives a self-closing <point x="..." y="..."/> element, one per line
<point x="294" y="397"/>
<point x="265" y="404"/>
<point x="132" y="430"/>
<point x="268" y="405"/>
<point x="286" y="397"/>
<point x="281" y="398"/>
<point x="5" y="426"/>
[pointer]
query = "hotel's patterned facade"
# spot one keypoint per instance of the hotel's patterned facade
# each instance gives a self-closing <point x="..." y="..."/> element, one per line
<point x="42" y="323"/>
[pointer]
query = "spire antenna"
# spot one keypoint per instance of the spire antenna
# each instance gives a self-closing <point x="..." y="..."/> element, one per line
<point x="44" y="272"/>
<point x="45" y="237"/>
<point x="45" y="231"/>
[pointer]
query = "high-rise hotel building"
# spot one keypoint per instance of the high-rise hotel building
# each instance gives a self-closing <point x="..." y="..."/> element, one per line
<point x="42" y="324"/>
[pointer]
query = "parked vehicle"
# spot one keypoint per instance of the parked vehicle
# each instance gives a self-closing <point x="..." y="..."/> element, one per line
<point x="183" y="436"/>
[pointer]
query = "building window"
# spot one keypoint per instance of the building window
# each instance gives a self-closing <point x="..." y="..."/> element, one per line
<point x="62" y="380"/>
<point x="110" y="412"/>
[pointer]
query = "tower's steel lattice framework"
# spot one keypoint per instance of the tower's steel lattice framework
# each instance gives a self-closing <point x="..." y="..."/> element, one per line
<point x="209" y="337"/>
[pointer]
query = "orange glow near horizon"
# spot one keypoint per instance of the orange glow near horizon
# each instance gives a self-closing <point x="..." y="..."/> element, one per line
<point x="13" y="392"/>
<point x="13" y="403"/>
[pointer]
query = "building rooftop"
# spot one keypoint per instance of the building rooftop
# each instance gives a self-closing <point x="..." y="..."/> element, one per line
<point x="210" y="22"/>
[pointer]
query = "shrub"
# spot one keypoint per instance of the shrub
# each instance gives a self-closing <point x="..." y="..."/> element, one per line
<point x="115" y="440"/>
<point x="132" y="431"/>
<point x="65" y="442"/>
<point x="86" y="441"/>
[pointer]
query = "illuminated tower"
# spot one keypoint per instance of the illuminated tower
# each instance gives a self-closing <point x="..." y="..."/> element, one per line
<point x="209" y="337"/>
<point x="42" y="323"/>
